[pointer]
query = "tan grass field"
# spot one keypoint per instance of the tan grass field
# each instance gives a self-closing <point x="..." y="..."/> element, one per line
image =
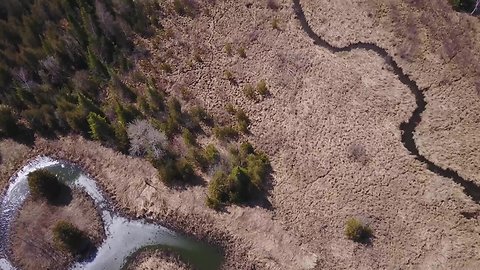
<point x="320" y="106"/>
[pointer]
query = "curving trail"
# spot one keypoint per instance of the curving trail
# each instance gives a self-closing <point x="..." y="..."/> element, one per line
<point x="470" y="188"/>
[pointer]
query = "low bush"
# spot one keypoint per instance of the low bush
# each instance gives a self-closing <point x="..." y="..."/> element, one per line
<point x="199" y="114"/>
<point x="230" y="109"/>
<point x="211" y="154"/>
<point x="229" y="76"/>
<point x="275" y="24"/>
<point x="68" y="237"/>
<point x="262" y="88"/>
<point x="246" y="179"/>
<point x="357" y="231"/>
<point x="242" y="121"/>
<point x="188" y="137"/>
<point x="166" y="67"/>
<point x="249" y="92"/>
<point x="225" y="133"/>
<point x="228" y="49"/>
<point x="171" y="171"/>
<point x="44" y="184"/>
<point x="241" y="52"/>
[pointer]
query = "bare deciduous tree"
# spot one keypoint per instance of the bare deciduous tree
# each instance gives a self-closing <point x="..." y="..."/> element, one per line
<point x="105" y="18"/>
<point x="23" y="77"/>
<point x="51" y="69"/>
<point x="145" y="139"/>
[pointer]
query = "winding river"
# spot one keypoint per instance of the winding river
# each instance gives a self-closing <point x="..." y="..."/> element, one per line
<point x="123" y="236"/>
<point x="470" y="188"/>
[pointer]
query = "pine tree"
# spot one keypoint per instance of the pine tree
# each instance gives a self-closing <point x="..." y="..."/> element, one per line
<point x="99" y="128"/>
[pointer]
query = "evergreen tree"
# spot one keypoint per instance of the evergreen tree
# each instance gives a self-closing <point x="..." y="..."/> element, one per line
<point x="99" y="128"/>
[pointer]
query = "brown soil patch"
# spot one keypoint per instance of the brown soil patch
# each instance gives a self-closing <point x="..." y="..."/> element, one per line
<point x="32" y="238"/>
<point x="157" y="260"/>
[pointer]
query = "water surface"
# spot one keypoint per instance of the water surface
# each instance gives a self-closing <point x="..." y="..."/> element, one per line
<point x="123" y="236"/>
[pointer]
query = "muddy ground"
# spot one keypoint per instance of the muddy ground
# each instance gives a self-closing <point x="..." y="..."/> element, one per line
<point x="321" y="106"/>
<point x="32" y="238"/>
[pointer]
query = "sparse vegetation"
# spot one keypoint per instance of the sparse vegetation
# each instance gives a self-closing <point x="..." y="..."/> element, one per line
<point x="357" y="231"/>
<point x="275" y="24"/>
<point x="186" y="94"/>
<point x="241" y="52"/>
<point x="262" y="88"/>
<point x="229" y="76"/>
<point x="272" y="4"/>
<point x="70" y="238"/>
<point x="184" y="7"/>
<point x="225" y="133"/>
<point x="44" y="184"/>
<point x="188" y="137"/>
<point x="357" y="153"/>
<point x="230" y="109"/>
<point x="242" y="121"/>
<point x="173" y="171"/>
<point x="228" y="49"/>
<point x="249" y="92"/>
<point x="211" y="154"/>
<point x="242" y="182"/>
<point x="166" y="67"/>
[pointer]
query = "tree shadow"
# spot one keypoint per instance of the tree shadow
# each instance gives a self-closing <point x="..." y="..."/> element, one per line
<point x="88" y="251"/>
<point x="64" y="196"/>
<point x="24" y="136"/>
<point x="261" y="197"/>
<point x="366" y="240"/>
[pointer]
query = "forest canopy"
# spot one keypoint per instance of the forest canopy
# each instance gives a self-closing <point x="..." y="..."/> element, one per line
<point x="56" y="56"/>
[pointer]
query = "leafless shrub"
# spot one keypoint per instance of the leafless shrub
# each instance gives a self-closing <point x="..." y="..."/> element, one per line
<point x="22" y="76"/>
<point x="81" y="81"/>
<point x="146" y="140"/>
<point x="357" y="153"/>
<point x="72" y="46"/>
<point x="272" y="4"/>
<point x="105" y="18"/>
<point x="51" y="69"/>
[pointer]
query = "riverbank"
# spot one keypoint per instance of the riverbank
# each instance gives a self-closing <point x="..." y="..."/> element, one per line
<point x="130" y="174"/>
<point x="12" y="157"/>
<point x="32" y="244"/>
<point x="158" y="260"/>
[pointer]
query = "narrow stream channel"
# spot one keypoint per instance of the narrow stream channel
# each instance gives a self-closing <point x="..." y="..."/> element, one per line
<point x="470" y="188"/>
<point x="123" y="236"/>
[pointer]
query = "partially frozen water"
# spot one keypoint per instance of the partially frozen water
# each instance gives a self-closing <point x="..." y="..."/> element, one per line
<point x="123" y="236"/>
